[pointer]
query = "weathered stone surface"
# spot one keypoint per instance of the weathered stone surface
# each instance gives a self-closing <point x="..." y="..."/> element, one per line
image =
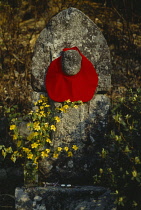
<point x="77" y="125"/>
<point x="86" y="125"/>
<point x="71" y="62"/>
<point x="57" y="198"/>
<point x="71" y="28"/>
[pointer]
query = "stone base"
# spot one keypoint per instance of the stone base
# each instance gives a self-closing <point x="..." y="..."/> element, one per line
<point x="63" y="198"/>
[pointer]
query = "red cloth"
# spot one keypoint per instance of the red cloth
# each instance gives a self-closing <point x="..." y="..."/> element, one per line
<point x="61" y="87"/>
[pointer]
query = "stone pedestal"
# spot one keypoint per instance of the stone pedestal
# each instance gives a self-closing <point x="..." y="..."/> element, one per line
<point x="59" y="198"/>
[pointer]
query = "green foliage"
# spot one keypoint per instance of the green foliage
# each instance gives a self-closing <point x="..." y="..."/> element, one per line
<point x="41" y="123"/>
<point x="120" y="160"/>
<point x="37" y="144"/>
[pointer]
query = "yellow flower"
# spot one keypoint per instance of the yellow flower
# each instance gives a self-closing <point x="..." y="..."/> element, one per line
<point x="66" y="149"/>
<point x="70" y="154"/>
<point x="19" y="143"/>
<point x="101" y="170"/>
<point x="75" y="106"/>
<point x="35" y="103"/>
<point x="68" y="101"/>
<point x="39" y="101"/>
<point x="48" y="140"/>
<point x="44" y="98"/>
<point x="15" y="137"/>
<point x="62" y="109"/>
<point x="42" y="114"/>
<point x="55" y="155"/>
<point x="65" y="106"/>
<point x="36" y="126"/>
<point x="41" y="107"/>
<point x="48" y="150"/>
<point x="34" y="145"/>
<point x="57" y="119"/>
<point x="134" y="173"/>
<point x="30" y="136"/>
<point x="4" y="153"/>
<point x="47" y="105"/>
<point x="59" y="149"/>
<point x="35" y="134"/>
<point x="137" y="160"/>
<point x="120" y="199"/>
<point x="26" y="150"/>
<point x="29" y="156"/>
<point x="12" y="127"/>
<point x="46" y="125"/>
<point x="74" y="147"/>
<point x="13" y="158"/>
<point x="103" y="153"/>
<point x="52" y="127"/>
<point x="9" y="150"/>
<point x="135" y="203"/>
<point x="44" y="154"/>
<point x="28" y="124"/>
<point x="35" y="161"/>
<point x="117" y="192"/>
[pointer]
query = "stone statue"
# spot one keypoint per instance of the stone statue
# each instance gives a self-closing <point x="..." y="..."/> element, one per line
<point x="86" y="125"/>
<point x="71" y="62"/>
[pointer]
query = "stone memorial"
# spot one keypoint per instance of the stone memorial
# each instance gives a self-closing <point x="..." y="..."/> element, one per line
<point x="86" y="125"/>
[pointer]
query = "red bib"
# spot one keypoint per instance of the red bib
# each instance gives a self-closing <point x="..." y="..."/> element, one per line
<point x="61" y="87"/>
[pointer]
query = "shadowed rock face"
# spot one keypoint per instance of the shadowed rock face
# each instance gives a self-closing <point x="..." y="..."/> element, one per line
<point x="71" y="62"/>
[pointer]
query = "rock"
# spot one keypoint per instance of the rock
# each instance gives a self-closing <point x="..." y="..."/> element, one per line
<point x="76" y="198"/>
<point x="71" y="62"/>
<point x="71" y="28"/>
<point x="23" y="201"/>
<point x="86" y="125"/>
<point x="23" y="129"/>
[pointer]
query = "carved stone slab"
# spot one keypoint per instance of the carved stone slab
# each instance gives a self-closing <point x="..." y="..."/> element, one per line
<point x="71" y="28"/>
<point x="86" y="125"/>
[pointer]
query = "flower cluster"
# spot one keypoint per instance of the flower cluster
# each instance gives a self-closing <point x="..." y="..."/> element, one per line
<point x="41" y="123"/>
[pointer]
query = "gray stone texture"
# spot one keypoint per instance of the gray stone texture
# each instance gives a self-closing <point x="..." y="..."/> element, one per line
<point x="58" y="198"/>
<point x="71" y="62"/>
<point x="86" y="125"/>
<point x="71" y="28"/>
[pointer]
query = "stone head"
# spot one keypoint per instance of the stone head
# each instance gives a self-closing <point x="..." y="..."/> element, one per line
<point x="71" y="62"/>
